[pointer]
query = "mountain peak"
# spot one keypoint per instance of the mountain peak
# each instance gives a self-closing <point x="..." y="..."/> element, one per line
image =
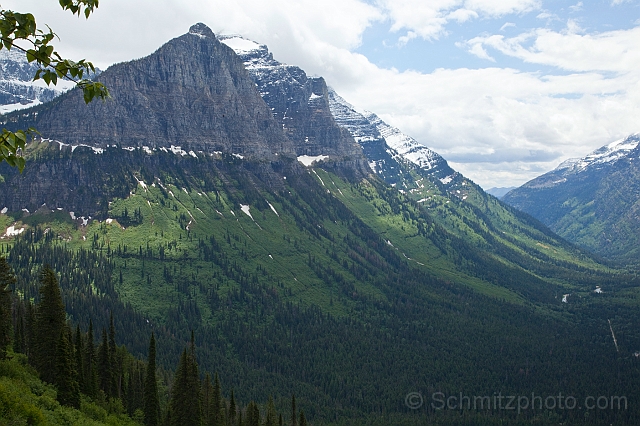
<point x="201" y="30"/>
<point x="192" y="92"/>
<point x="607" y="154"/>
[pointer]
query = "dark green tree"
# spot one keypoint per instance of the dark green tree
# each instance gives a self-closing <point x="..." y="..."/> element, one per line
<point x="114" y="386"/>
<point x="50" y="321"/>
<point x="216" y="403"/>
<point x="90" y="365"/>
<point x="151" y="401"/>
<point x="253" y="414"/>
<point x="208" y="409"/>
<point x="271" y="416"/>
<point x="303" y="419"/>
<point x="79" y="355"/>
<point x="19" y="333"/>
<point x="294" y="411"/>
<point x="65" y="374"/>
<point x="7" y="279"/>
<point x="233" y="409"/>
<point x="185" y="393"/>
<point x="104" y="365"/>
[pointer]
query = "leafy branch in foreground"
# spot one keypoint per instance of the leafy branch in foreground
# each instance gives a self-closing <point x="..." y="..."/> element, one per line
<point x="22" y="28"/>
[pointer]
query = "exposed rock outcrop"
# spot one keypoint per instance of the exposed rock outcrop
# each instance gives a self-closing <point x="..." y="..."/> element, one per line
<point x="193" y="92"/>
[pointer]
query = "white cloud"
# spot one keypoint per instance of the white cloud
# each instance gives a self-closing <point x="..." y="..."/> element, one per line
<point x="507" y="25"/>
<point x="428" y="19"/>
<point x="502" y="7"/>
<point x="462" y="15"/>
<point x="577" y="7"/>
<point x="613" y="51"/>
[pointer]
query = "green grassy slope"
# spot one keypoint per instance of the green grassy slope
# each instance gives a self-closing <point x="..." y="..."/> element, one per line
<point x="24" y="399"/>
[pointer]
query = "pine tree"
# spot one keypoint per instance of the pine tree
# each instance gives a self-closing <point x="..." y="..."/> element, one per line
<point x="216" y="402"/>
<point x="253" y="414"/>
<point x="185" y="394"/>
<point x="29" y="337"/>
<point x="7" y="279"/>
<point x="79" y="355"/>
<point x="294" y="413"/>
<point x="90" y="364"/>
<point x="65" y="374"/>
<point x="151" y="401"/>
<point x="231" y="417"/>
<point x="19" y="334"/>
<point x="50" y="321"/>
<point x="272" y="416"/>
<point x="114" y="387"/>
<point x="104" y="365"/>
<point x="303" y="419"/>
<point x="207" y="400"/>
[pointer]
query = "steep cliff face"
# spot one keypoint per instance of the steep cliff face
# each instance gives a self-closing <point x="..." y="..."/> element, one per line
<point x="193" y="92"/>
<point x="299" y="103"/>
<point x="85" y="180"/>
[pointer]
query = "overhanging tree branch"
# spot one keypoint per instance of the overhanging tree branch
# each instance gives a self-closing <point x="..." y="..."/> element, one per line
<point x="16" y="26"/>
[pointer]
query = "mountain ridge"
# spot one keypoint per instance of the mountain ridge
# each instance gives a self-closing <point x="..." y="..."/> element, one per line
<point x="593" y="201"/>
<point x="192" y="92"/>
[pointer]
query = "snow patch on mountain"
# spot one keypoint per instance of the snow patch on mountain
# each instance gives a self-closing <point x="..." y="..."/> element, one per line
<point x="308" y="160"/>
<point x="607" y="154"/>
<point x="240" y="44"/>
<point x="368" y="127"/>
<point x="254" y="55"/>
<point x="405" y="145"/>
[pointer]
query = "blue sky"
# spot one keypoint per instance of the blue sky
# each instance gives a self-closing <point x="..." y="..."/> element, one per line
<point x="505" y="90"/>
<point x="446" y="50"/>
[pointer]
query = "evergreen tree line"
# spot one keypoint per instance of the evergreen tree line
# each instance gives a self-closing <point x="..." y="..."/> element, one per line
<point x="108" y="374"/>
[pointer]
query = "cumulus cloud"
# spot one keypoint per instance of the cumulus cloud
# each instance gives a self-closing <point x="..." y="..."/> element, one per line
<point x="615" y="51"/>
<point x="428" y="19"/>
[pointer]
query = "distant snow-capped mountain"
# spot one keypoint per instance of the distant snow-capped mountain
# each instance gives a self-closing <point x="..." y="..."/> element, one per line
<point x="608" y="154"/>
<point x="17" y="88"/>
<point x="593" y="201"/>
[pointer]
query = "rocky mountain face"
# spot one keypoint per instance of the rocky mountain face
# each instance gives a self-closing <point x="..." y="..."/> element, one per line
<point x="388" y="150"/>
<point x="301" y="104"/>
<point x="593" y="201"/>
<point x="17" y="90"/>
<point x="193" y="92"/>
